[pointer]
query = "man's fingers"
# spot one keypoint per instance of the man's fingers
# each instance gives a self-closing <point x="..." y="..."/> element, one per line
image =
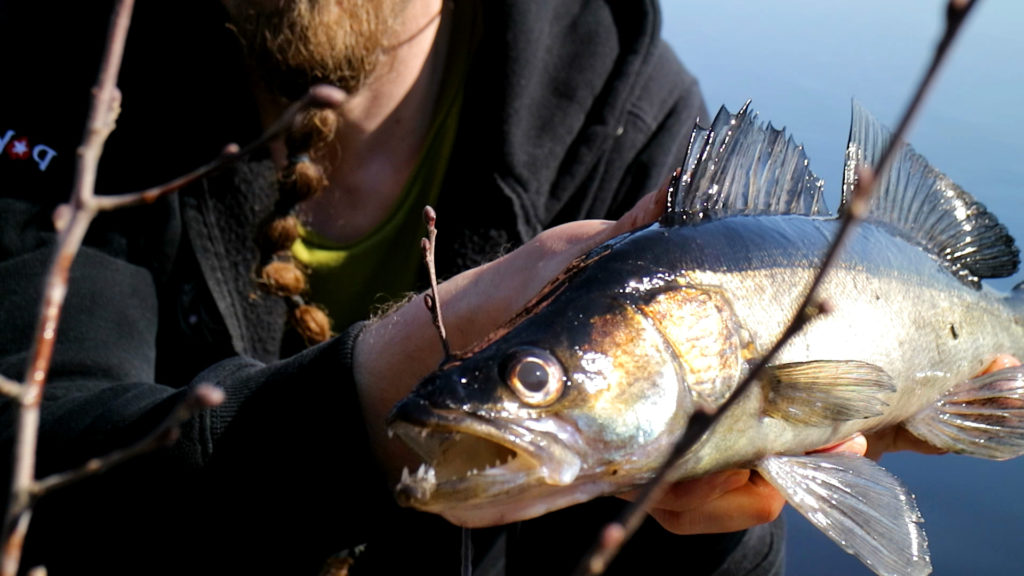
<point x="754" y="502"/>
<point x="690" y="494"/>
<point x="738" y="499"/>
<point x="646" y="211"/>
<point x="856" y="444"/>
<point x="999" y="362"/>
<point x="897" y="438"/>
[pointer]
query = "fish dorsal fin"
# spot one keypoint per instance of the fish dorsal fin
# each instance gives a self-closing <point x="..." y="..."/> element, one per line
<point x="924" y="206"/>
<point x="738" y="166"/>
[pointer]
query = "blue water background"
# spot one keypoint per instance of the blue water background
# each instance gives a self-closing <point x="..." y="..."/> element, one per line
<point x="801" y="62"/>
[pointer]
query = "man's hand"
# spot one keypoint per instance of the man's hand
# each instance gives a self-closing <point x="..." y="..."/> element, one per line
<point x="738" y="499"/>
<point x="897" y="438"/>
<point x="727" y="501"/>
<point x="395" y="352"/>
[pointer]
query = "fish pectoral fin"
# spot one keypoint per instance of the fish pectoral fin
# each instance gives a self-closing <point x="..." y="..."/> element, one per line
<point x="981" y="417"/>
<point x="823" y="392"/>
<point x="858" y="504"/>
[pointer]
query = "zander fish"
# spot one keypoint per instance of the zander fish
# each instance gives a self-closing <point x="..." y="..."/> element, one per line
<point x="584" y="393"/>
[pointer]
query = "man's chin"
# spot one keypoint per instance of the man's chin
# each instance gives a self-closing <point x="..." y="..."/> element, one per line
<point x="297" y="44"/>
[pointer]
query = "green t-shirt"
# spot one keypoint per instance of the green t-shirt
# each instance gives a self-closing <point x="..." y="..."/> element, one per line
<point x="352" y="280"/>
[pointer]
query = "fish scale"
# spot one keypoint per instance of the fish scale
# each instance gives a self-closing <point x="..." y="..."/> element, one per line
<point x="585" y="392"/>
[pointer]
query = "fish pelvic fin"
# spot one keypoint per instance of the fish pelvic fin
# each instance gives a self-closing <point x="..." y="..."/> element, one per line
<point x="858" y="504"/>
<point x="739" y="166"/>
<point x="923" y="206"/>
<point x="823" y="392"/>
<point x="982" y="417"/>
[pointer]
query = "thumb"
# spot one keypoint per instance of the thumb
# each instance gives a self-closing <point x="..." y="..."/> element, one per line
<point x="646" y="211"/>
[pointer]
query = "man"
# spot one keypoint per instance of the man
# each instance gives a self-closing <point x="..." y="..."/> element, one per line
<point x="532" y="114"/>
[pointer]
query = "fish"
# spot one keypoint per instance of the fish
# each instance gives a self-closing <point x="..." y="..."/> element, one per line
<point x="585" y="392"/>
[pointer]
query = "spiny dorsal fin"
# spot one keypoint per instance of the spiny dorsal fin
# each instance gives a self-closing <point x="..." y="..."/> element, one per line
<point x="737" y="167"/>
<point x="924" y="206"/>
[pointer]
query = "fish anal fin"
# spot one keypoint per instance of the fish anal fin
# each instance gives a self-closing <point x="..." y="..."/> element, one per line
<point x="823" y="392"/>
<point x="858" y="504"/>
<point x="981" y="417"/>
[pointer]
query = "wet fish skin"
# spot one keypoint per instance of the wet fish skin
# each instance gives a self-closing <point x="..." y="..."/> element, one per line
<point x="585" y="391"/>
<point x="893" y="306"/>
<point x="623" y="398"/>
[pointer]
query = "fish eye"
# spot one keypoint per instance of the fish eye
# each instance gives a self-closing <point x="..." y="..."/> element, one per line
<point x="535" y="376"/>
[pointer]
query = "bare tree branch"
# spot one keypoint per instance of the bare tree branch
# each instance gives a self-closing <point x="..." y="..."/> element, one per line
<point x="430" y="299"/>
<point x="320" y="96"/>
<point x="148" y="196"/>
<point x="104" y="110"/>
<point x="617" y="533"/>
<point x="12" y="545"/>
<point x="71" y="221"/>
<point x="9" y="387"/>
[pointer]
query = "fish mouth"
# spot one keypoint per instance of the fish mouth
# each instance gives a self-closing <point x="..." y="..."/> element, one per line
<point x="478" y="468"/>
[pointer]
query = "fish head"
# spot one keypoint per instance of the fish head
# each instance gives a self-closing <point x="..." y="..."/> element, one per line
<point x="581" y="397"/>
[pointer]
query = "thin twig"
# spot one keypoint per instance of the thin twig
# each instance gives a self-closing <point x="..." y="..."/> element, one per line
<point x="467" y="552"/>
<point x="430" y="299"/>
<point x="14" y="544"/>
<point x="148" y="196"/>
<point x="104" y="110"/>
<point x="320" y="96"/>
<point x="9" y="387"/>
<point x="617" y="533"/>
<point x="71" y="221"/>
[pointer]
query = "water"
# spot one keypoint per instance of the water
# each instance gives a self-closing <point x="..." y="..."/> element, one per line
<point x="801" y="62"/>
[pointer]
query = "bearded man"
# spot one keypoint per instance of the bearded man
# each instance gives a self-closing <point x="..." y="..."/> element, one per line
<point x="510" y="117"/>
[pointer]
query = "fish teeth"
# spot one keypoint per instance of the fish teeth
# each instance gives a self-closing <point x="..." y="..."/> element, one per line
<point x="423" y="474"/>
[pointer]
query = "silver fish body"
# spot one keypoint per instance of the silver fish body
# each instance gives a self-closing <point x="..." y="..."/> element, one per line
<point x="892" y="305"/>
<point x="586" y="391"/>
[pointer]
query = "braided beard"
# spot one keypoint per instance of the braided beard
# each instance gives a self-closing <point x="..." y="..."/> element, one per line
<point x="297" y="43"/>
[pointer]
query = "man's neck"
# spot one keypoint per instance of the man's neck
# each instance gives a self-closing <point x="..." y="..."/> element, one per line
<point x="382" y="129"/>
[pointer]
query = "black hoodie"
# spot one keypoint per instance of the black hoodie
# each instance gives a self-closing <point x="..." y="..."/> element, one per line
<point x="572" y="110"/>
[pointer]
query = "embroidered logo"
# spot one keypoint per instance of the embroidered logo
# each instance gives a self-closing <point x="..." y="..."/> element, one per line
<point x="20" y="149"/>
